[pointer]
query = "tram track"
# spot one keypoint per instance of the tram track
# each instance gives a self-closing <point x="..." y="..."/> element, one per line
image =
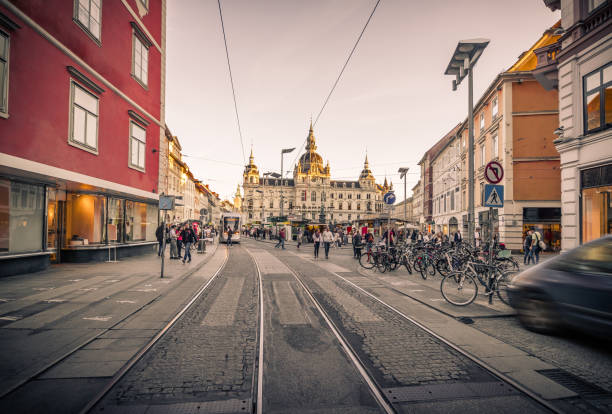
<point x="358" y="358"/>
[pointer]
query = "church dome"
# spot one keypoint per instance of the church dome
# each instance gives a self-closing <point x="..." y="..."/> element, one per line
<point x="310" y="162"/>
<point x="366" y="173"/>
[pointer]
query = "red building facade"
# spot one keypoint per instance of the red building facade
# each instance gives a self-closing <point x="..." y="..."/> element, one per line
<point x="81" y="121"/>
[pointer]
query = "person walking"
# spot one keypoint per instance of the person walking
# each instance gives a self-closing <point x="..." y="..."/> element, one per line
<point x="179" y="240"/>
<point x="458" y="238"/>
<point x="316" y="238"/>
<point x="527" y="248"/>
<point x="536" y="242"/>
<point x="356" y="245"/>
<point x="281" y="239"/>
<point x="159" y="235"/>
<point x="229" y="236"/>
<point x="328" y="239"/>
<point x="300" y="235"/>
<point x="188" y="237"/>
<point x="173" y="248"/>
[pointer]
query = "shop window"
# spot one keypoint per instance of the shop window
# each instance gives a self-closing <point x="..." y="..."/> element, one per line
<point x="598" y="99"/>
<point x="85" y="219"/>
<point x="21" y="217"/>
<point x="88" y="16"/>
<point x="596" y="212"/>
<point x="83" y="118"/>
<point x="115" y="220"/>
<point x="140" y="221"/>
<point x="4" y="72"/>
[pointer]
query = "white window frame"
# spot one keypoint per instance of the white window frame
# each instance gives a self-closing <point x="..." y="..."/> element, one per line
<point x="140" y="164"/>
<point x="494" y="108"/>
<point x="137" y="43"/>
<point x="483" y="153"/>
<point x="482" y="121"/>
<point x="495" y="143"/>
<point x="86" y="26"/>
<point x="71" y="139"/>
<point x="4" y="81"/>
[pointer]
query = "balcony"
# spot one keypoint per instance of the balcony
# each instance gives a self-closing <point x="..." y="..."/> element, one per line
<point x="546" y="70"/>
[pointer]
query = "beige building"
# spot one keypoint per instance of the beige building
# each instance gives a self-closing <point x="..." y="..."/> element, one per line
<point x="311" y="193"/>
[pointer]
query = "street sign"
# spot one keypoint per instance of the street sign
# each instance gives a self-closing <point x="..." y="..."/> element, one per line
<point x="389" y="198"/>
<point x="166" y="202"/>
<point x="494" y="172"/>
<point x="494" y="195"/>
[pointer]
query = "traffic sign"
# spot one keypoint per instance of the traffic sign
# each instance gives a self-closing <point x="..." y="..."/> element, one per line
<point x="494" y="172"/>
<point x="494" y="195"/>
<point x="389" y="198"/>
<point x="166" y="202"/>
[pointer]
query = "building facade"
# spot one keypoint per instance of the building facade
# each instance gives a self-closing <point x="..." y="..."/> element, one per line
<point x="579" y="65"/>
<point x="311" y="195"/>
<point x="81" y="121"/>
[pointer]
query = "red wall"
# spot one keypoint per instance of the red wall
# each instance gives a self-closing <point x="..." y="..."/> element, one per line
<point x="39" y="92"/>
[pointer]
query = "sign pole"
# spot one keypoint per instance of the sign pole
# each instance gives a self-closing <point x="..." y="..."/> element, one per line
<point x="491" y="228"/>
<point x="163" y="250"/>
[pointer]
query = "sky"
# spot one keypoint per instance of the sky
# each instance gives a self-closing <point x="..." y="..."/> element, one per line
<point x="392" y="101"/>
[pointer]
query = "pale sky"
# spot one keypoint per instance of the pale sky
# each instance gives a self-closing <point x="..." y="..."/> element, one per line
<point x="393" y="99"/>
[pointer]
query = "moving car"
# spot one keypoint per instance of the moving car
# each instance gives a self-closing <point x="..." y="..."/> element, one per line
<point x="571" y="290"/>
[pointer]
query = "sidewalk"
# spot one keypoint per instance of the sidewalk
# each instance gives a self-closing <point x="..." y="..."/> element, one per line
<point x="106" y="311"/>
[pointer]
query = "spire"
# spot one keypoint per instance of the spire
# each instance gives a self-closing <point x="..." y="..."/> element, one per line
<point x="311" y="146"/>
<point x="366" y="164"/>
<point x="385" y="184"/>
<point x="251" y="156"/>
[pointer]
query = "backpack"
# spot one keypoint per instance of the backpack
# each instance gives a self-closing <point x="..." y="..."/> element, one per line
<point x="541" y="243"/>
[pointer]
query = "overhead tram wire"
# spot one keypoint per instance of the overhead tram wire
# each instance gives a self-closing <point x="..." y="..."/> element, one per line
<point x="229" y="66"/>
<point x="339" y="75"/>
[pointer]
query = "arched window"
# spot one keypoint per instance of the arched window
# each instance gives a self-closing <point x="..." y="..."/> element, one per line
<point x="349" y="206"/>
<point x="369" y="206"/>
<point x="340" y="205"/>
<point x="251" y="180"/>
<point x="358" y="206"/>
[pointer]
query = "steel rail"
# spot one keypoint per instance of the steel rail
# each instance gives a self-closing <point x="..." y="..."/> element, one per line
<point x="128" y="365"/>
<point x="374" y="389"/>
<point x="472" y="357"/>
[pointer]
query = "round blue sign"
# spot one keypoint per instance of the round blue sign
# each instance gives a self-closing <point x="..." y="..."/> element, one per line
<point x="389" y="198"/>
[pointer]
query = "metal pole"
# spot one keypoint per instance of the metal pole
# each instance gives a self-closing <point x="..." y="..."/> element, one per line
<point x="471" y="217"/>
<point x="491" y="228"/>
<point x="163" y="252"/>
<point x="405" y="215"/>
<point x="388" y="225"/>
<point x="281" y="177"/>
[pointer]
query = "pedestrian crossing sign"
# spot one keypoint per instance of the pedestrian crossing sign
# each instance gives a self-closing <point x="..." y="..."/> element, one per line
<point x="494" y="195"/>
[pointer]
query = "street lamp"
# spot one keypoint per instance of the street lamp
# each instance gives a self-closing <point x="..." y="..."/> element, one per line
<point x="403" y="171"/>
<point x="462" y="62"/>
<point x="283" y="152"/>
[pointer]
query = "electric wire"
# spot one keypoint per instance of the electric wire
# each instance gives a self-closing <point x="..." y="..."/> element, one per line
<point x="229" y="66"/>
<point x="340" y="75"/>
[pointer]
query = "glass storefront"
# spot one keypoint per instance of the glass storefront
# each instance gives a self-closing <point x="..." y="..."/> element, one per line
<point x="22" y="209"/>
<point x="140" y="222"/>
<point x="85" y="220"/>
<point x="115" y="220"/>
<point x="547" y="221"/>
<point x="596" y="194"/>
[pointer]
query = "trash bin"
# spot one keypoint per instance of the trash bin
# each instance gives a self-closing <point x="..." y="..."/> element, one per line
<point x="201" y="246"/>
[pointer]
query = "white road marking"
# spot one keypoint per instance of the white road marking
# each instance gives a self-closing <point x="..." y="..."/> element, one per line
<point x="75" y="280"/>
<point x="98" y="318"/>
<point x="44" y="288"/>
<point x="126" y="301"/>
<point x="436" y="300"/>
<point x="144" y="290"/>
<point x="88" y="289"/>
<point x="111" y="281"/>
<point x="416" y="290"/>
<point x="10" y="318"/>
<point x="223" y="309"/>
<point x="55" y="301"/>
<point x="6" y="300"/>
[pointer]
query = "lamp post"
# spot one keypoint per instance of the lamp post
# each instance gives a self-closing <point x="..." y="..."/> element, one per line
<point x="462" y="62"/>
<point x="403" y="171"/>
<point x="282" y="200"/>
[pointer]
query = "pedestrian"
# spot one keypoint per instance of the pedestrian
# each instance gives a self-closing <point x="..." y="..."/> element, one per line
<point x="159" y="235"/>
<point x="458" y="238"/>
<point x="528" y="257"/>
<point x="537" y="244"/>
<point x="477" y="237"/>
<point x="188" y="237"/>
<point x="328" y="239"/>
<point x="317" y="242"/>
<point x="356" y="245"/>
<point x="179" y="240"/>
<point x="299" y="238"/>
<point x="229" y="236"/>
<point x="281" y="239"/>
<point x="173" y="248"/>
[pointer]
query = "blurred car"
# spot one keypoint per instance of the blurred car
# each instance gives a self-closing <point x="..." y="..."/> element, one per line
<point x="571" y="290"/>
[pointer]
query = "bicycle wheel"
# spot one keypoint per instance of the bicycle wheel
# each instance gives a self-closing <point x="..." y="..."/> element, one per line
<point x="406" y="264"/>
<point x="430" y="268"/>
<point x="501" y="285"/>
<point x="367" y="261"/>
<point x="417" y="263"/>
<point x="442" y="267"/>
<point x="459" y="289"/>
<point x="381" y="263"/>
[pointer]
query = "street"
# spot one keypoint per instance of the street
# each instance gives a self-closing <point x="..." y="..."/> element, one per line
<point x="333" y="338"/>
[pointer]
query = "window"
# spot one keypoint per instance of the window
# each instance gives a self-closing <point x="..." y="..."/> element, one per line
<point x="304" y="195"/>
<point x="452" y="200"/>
<point x="271" y="203"/>
<point x="141" y="221"/>
<point x="349" y="206"/>
<point x="482" y="155"/>
<point x="482" y="124"/>
<point x="598" y="99"/>
<point x="495" y="146"/>
<point x="140" y="60"/>
<point x="83" y="118"/>
<point x="340" y="196"/>
<point x="138" y="143"/>
<point x="350" y="196"/>
<point x="22" y="208"/>
<point x="358" y="206"/>
<point x="593" y="4"/>
<point x="323" y="198"/>
<point x="4" y="71"/>
<point x="291" y="205"/>
<point x="367" y="197"/>
<point x="340" y="206"/>
<point x="87" y="14"/>
<point x="481" y="194"/>
<point x="313" y="196"/>
<point x="358" y="196"/>
<point x="494" y="108"/>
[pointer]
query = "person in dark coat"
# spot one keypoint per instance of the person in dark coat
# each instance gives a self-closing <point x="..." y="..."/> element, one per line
<point x="160" y="233"/>
<point x="188" y="236"/>
<point x="356" y="245"/>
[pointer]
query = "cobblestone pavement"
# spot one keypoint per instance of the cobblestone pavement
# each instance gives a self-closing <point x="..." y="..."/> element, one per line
<point x="209" y="354"/>
<point x="398" y="352"/>
<point x="590" y="359"/>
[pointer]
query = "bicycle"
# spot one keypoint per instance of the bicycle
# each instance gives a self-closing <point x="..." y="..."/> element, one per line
<point x="460" y="288"/>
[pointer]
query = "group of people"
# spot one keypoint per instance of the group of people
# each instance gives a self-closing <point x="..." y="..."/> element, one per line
<point x="179" y="237"/>
<point x="533" y="244"/>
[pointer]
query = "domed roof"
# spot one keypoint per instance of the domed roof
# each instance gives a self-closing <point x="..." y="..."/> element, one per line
<point x="366" y="173"/>
<point x="310" y="161"/>
<point x="251" y="168"/>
